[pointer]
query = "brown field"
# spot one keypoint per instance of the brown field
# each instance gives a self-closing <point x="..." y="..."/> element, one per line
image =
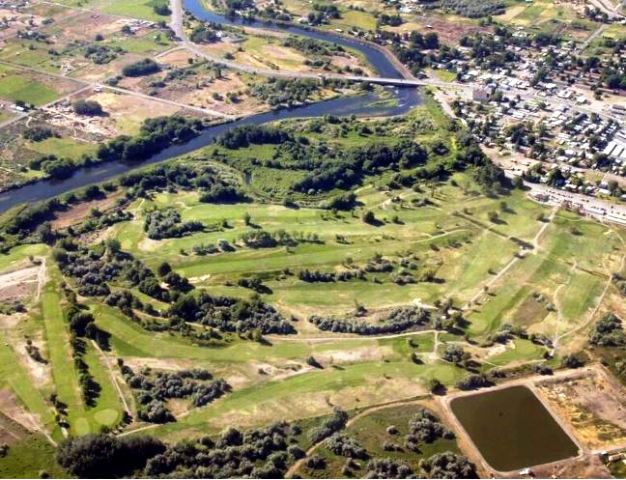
<point x="176" y="58"/>
<point x="449" y="30"/>
<point x="593" y="405"/>
<point x="15" y="21"/>
<point x="79" y="212"/>
<point x="124" y="114"/>
<point x="13" y="414"/>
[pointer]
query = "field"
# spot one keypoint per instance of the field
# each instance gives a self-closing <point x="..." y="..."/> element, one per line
<point x="37" y="89"/>
<point x="591" y="404"/>
<point x="565" y="17"/>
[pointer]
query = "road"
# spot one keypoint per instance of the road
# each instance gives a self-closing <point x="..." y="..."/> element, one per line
<point x="607" y="7"/>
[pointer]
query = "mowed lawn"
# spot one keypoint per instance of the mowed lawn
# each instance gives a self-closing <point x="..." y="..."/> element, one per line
<point x="63" y="370"/>
<point x="83" y="419"/>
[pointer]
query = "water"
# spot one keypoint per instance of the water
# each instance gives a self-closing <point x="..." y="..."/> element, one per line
<point x="512" y="429"/>
<point x="361" y="105"/>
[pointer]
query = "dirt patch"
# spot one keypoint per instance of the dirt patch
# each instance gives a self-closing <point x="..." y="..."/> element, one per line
<point x="19" y="284"/>
<point x="594" y="405"/>
<point x="124" y="115"/>
<point x="177" y="58"/>
<point x="529" y="312"/>
<point x="355" y="355"/>
<point x="10" y="407"/>
<point x="40" y="373"/>
<point x="79" y="212"/>
<point x="10" y="432"/>
<point x="589" y="467"/>
<point x="178" y="406"/>
<point x="137" y="363"/>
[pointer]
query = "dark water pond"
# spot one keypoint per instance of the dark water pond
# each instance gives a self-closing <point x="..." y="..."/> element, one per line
<point x="512" y="429"/>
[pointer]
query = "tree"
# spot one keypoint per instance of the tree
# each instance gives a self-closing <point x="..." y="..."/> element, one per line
<point x="454" y="354"/>
<point x="106" y="456"/>
<point x="87" y="107"/>
<point x="113" y="245"/>
<point x="163" y="269"/>
<point x="369" y="217"/>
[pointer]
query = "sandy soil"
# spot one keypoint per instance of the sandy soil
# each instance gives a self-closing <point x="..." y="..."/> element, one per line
<point x="10" y="406"/>
<point x="363" y="354"/>
<point x="595" y="407"/>
<point x="79" y="212"/>
<point x="18" y="284"/>
<point x="40" y="373"/>
<point x="125" y="113"/>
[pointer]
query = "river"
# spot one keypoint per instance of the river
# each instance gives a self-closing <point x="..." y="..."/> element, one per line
<point x="366" y="104"/>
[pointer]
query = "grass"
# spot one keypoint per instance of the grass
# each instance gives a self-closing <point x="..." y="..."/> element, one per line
<point x="16" y="378"/>
<point x="142" y="9"/>
<point x="21" y="253"/>
<point x="62" y="147"/>
<point x="520" y="351"/>
<point x="16" y="86"/>
<point x="29" y="457"/>
<point x="350" y="387"/>
<point x="108" y="410"/>
<point x="63" y="371"/>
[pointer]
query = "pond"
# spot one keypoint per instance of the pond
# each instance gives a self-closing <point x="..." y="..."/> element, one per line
<point x="512" y="429"/>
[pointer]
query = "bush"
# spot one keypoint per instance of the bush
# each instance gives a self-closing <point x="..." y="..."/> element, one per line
<point x="38" y="133"/>
<point x="448" y="465"/>
<point x="608" y="332"/>
<point x="147" y="66"/>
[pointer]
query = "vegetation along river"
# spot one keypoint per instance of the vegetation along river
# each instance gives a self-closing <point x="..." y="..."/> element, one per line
<point x="367" y="104"/>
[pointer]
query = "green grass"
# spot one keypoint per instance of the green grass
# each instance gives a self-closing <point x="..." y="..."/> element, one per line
<point x="21" y="253"/>
<point x="108" y="410"/>
<point x="16" y="86"/>
<point x="64" y="373"/>
<point x="62" y="147"/>
<point x="29" y="457"/>
<point x="142" y="9"/>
